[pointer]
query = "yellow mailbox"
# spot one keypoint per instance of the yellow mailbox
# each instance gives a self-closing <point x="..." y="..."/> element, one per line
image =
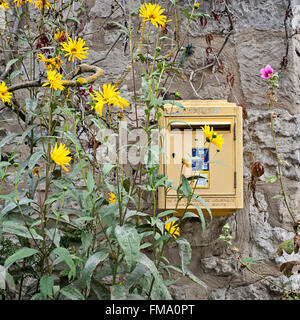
<point x="220" y="174"/>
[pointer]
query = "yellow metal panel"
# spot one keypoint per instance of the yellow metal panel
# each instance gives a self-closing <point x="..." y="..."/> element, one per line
<point x="182" y="136"/>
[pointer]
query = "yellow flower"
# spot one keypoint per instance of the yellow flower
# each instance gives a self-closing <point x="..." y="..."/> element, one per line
<point x="153" y="12"/>
<point x="196" y="5"/>
<point x="185" y="163"/>
<point x="5" y="95"/>
<point x="60" y="155"/>
<point x="109" y="95"/>
<point x="121" y="116"/>
<point x="56" y="62"/>
<point x="39" y="4"/>
<point x="172" y="228"/>
<point x="213" y="137"/>
<point x="4" y="4"/>
<point x="20" y="2"/>
<point x="218" y="141"/>
<point x="81" y="81"/>
<point x="75" y="49"/>
<point x="48" y="62"/>
<point x="112" y="198"/>
<point x="54" y="79"/>
<point x="60" y="36"/>
<point x="208" y="133"/>
<point x="36" y="171"/>
<point x="51" y="63"/>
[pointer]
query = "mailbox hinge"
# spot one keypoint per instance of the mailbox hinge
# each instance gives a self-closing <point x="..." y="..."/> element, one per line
<point x="234" y="181"/>
<point x="234" y="132"/>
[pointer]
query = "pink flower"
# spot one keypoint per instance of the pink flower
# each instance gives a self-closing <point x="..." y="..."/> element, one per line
<point x="267" y="72"/>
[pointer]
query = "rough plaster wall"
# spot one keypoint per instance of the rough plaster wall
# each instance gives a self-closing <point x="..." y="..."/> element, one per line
<point x="258" y="39"/>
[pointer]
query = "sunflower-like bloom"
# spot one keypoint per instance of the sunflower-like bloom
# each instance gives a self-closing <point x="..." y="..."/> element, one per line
<point x="185" y="163"/>
<point x="56" y="62"/>
<point x="218" y="141"/>
<point x="208" y="133"/>
<point x="172" y="228"/>
<point x="60" y="36"/>
<point x="48" y="62"/>
<point x="4" y="4"/>
<point x="109" y="95"/>
<point x="60" y="155"/>
<point x="5" y="95"/>
<point x="52" y="63"/>
<point x="20" y="2"/>
<point x="54" y="79"/>
<point x="39" y="4"/>
<point x="112" y="198"/>
<point x="153" y="13"/>
<point x="75" y="49"/>
<point x="213" y="137"/>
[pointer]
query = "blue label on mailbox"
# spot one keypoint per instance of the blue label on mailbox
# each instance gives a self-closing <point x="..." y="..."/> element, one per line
<point x="200" y="158"/>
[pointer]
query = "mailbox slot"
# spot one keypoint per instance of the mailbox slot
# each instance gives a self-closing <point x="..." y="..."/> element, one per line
<point x="198" y="126"/>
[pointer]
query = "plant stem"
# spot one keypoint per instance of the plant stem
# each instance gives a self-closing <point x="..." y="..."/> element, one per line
<point x="271" y="101"/>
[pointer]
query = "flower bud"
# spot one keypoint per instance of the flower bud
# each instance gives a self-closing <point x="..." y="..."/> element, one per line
<point x="158" y="49"/>
<point x="177" y="94"/>
<point x="257" y="169"/>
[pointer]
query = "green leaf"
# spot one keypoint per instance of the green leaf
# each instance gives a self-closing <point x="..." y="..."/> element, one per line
<point x="186" y="188"/>
<point x="34" y="159"/>
<point x="118" y="292"/>
<point x="86" y="240"/>
<point x="287" y="246"/>
<point x="249" y="260"/>
<point x="14" y="74"/>
<point x="124" y="29"/>
<point x="5" y="140"/>
<point x="194" y="278"/>
<point x="107" y="168"/>
<point x="90" y="182"/>
<point x="90" y="266"/>
<point x="46" y="285"/>
<point x="4" y="164"/>
<point x="15" y="228"/>
<point x="71" y="293"/>
<point x="19" y="255"/>
<point x="138" y="272"/>
<point x="149" y="264"/>
<point x="271" y="179"/>
<point x="65" y="255"/>
<point x="190" y="215"/>
<point x="161" y="181"/>
<point x="26" y="133"/>
<point x="186" y="13"/>
<point x="100" y="290"/>
<point x="73" y="19"/>
<point x="278" y="196"/>
<point x="165" y="213"/>
<point x="201" y="217"/>
<point x="53" y="198"/>
<point x="10" y="63"/>
<point x="219" y="162"/>
<point x="201" y="200"/>
<point x="185" y="252"/>
<point x="129" y="241"/>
